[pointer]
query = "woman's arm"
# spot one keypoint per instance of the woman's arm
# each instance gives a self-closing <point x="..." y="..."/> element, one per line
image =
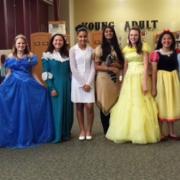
<point x="116" y="64"/>
<point x="47" y="75"/>
<point x="8" y="73"/>
<point x="145" y="78"/>
<point x="91" y="75"/>
<point x="154" y="58"/>
<point x="36" y="78"/>
<point x="154" y="79"/>
<point x="74" y="70"/>
<point x="125" y="67"/>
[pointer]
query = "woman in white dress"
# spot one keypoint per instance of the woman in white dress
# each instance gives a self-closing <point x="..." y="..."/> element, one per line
<point x="82" y="86"/>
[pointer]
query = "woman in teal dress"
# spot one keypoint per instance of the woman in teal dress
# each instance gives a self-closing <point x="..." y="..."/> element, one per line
<point x="134" y="117"/>
<point x="57" y="75"/>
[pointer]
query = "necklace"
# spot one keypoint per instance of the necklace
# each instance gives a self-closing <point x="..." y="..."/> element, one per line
<point x="167" y="53"/>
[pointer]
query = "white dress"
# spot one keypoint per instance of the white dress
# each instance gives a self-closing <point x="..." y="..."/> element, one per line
<point x="83" y="72"/>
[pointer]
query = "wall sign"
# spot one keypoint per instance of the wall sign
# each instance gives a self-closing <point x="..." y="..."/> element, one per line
<point x="142" y="24"/>
<point x="148" y="24"/>
<point x="97" y="26"/>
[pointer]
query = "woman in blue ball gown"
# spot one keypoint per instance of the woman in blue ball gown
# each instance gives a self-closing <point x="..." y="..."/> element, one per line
<point x="25" y="106"/>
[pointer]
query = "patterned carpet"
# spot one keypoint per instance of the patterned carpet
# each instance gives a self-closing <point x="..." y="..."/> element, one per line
<point x="98" y="159"/>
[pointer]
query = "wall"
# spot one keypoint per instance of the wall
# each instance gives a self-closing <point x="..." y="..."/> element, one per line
<point x="21" y="16"/>
<point x="120" y="11"/>
<point x="64" y="12"/>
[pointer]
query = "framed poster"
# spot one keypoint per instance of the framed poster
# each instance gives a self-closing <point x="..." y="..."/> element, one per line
<point x="57" y="27"/>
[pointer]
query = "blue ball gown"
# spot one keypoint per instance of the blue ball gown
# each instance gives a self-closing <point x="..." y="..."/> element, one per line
<point x="25" y="107"/>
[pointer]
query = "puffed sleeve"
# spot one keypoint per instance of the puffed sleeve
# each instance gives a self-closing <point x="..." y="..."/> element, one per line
<point x="7" y="63"/>
<point x="146" y="48"/>
<point x="154" y="57"/>
<point x="33" y="60"/>
<point x="80" y="79"/>
<point x="125" y="51"/>
<point x="47" y="75"/>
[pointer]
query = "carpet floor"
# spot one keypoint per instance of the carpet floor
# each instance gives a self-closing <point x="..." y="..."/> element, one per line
<point x="98" y="159"/>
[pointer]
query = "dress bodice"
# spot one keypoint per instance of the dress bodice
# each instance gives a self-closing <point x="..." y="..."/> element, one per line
<point x="24" y="65"/>
<point x="168" y="62"/>
<point x="55" y="64"/>
<point x="131" y="55"/>
<point x="81" y="59"/>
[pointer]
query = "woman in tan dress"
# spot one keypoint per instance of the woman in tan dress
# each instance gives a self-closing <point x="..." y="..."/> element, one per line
<point x="109" y="63"/>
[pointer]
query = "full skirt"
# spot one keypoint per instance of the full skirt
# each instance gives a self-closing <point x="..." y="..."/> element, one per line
<point x="25" y="112"/>
<point x="134" y="116"/>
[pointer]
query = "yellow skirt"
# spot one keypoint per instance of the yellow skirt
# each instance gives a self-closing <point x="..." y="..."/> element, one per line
<point x="134" y="116"/>
<point x="168" y="95"/>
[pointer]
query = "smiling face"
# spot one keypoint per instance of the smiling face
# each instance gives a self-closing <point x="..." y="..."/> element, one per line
<point x="82" y="38"/>
<point x="108" y="33"/>
<point x="20" y="45"/>
<point x="58" y="42"/>
<point x="166" y="41"/>
<point x="134" y="37"/>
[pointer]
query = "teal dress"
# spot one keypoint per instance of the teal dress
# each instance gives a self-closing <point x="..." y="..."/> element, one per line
<point x="2" y="73"/>
<point x="57" y="75"/>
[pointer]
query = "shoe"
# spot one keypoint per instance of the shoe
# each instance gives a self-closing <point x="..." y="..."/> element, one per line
<point x="176" y="138"/>
<point x="81" y="138"/>
<point x="88" y="137"/>
<point x="164" y="138"/>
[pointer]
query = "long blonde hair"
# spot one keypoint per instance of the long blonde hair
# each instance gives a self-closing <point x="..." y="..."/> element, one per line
<point x="26" y="50"/>
<point x="139" y="43"/>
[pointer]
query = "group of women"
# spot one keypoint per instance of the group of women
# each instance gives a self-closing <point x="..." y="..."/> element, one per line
<point x="133" y="103"/>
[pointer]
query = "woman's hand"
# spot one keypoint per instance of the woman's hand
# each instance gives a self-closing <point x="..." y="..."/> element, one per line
<point x="86" y="88"/>
<point x="54" y="93"/>
<point x="145" y="88"/>
<point x="154" y="92"/>
<point x="116" y="65"/>
<point x="114" y="69"/>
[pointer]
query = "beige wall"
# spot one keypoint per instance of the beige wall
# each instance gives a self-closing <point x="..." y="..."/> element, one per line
<point x="120" y="11"/>
<point x="64" y="12"/>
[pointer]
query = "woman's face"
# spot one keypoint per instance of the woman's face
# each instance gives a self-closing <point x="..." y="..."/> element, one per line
<point x="58" y="42"/>
<point x="82" y="38"/>
<point x="133" y="37"/>
<point x="20" y="44"/>
<point x="108" y="33"/>
<point x="166" y="41"/>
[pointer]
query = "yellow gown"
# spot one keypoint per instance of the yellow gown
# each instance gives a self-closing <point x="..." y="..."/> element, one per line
<point x="168" y="91"/>
<point x="134" y="116"/>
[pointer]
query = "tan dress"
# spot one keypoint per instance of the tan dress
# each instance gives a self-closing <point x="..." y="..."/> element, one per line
<point x="107" y="91"/>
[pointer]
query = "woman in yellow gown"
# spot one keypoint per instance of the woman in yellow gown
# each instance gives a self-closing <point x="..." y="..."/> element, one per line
<point x="134" y="117"/>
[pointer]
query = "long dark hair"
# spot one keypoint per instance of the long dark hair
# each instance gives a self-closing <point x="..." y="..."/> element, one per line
<point x="159" y="43"/>
<point x="2" y="59"/>
<point x="80" y="28"/>
<point x="106" y="45"/>
<point x="139" y="42"/>
<point x="64" y="51"/>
